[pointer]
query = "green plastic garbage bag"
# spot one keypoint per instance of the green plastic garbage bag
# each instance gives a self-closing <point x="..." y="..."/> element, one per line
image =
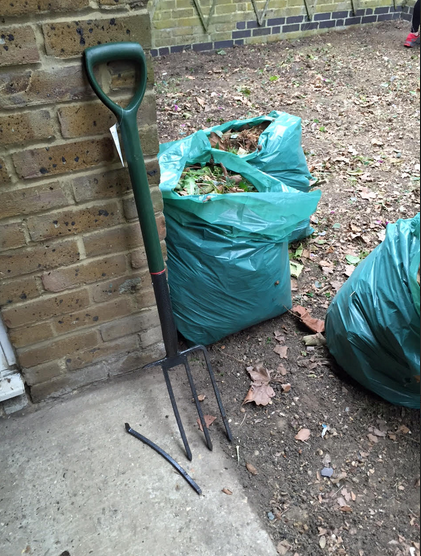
<point x="373" y="324"/>
<point x="280" y="155"/>
<point x="228" y="264"/>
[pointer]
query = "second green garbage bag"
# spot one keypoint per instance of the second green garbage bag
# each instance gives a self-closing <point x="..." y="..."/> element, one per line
<point x="228" y="262"/>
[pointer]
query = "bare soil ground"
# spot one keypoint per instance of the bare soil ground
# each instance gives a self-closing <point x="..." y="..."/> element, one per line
<point x="358" y="95"/>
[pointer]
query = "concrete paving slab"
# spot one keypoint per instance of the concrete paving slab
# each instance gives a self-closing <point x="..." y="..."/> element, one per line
<point x="73" y="480"/>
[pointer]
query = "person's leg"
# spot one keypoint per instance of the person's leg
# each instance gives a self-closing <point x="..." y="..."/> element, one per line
<point x="416" y="18"/>
<point x="414" y="37"/>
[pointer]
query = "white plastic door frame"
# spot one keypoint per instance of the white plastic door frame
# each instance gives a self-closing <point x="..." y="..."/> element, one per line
<point x="11" y="383"/>
<point x="7" y="356"/>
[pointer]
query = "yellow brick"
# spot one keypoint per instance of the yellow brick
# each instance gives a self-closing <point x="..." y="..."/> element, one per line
<point x="184" y="3"/>
<point x="185" y="12"/>
<point x="326" y="8"/>
<point x="163" y="24"/>
<point x="226" y="9"/>
<point x="186" y="21"/>
<point x="221" y="36"/>
<point x="166" y="5"/>
<point x="257" y="40"/>
<point x="221" y="27"/>
<point x="163" y="14"/>
<point x="184" y="31"/>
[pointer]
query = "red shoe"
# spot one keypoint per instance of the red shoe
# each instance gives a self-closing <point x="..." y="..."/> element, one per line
<point x="412" y="40"/>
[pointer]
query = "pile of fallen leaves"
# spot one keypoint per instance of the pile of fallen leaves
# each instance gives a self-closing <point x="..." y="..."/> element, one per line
<point x="212" y="178"/>
<point x="241" y="142"/>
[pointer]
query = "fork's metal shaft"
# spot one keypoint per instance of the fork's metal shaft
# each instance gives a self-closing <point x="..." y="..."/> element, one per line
<point x="170" y="460"/>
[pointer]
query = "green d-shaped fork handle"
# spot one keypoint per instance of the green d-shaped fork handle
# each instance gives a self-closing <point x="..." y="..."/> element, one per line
<point x="127" y="119"/>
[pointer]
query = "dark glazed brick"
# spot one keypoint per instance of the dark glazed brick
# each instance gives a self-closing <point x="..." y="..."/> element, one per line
<point x="369" y="19"/>
<point x="339" y="15"/>
<point x="241" y="25"/>
<point x="353" y="21"/>
<point x="396" y="9"/>
<point x="327" y="24"/>
<point x="322" y="17"/>
<point x="154" y="53"/>
<point x="241" y="34"/>
<point x="240" y="42"/>
<point x="176" y="49"/>
<point x="252" y="25"/>
<point x="369" y="11"/>
<point x="164" y="51"/>
<point x="382" y="11"/>
<point x="385" y="17"/>
<point x="200" y="47"/>
<point x="406" y="17"/>
<point x="223" y="44"/>
<point x="359" y="13"/>
<point x="295" y="19"/>
<point x="276" y="30"/>
<point x="262" y="32"/>
<point x="290" y="28"/>
<point x="397" y="15"/>
<point x="310" y="26"/>
<point x="277" y="21"/>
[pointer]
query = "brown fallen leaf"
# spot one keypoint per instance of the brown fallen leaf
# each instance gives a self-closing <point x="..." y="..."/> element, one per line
<point x="227" y="491"/>
<point x="282" y="370"/>
<point x="251" y="469"/>
<point x="349" y="269"/>
<point x="339" y="478"/>
<point x="286" y="388"/>
<point x="282" y="351"/>
<point x="283" y="548"/>
<point x="336" y="285"/>
<point x="303" y="435"/>
<point x="315" y="340"/>
<point x="379" y="433"/>
<point x="201" y="398"/>
<point x="404" y="429"/>
<point x="279" y="337"/>
<point x="346" y="509"/>
<point x="367" y="194"/>
<point x="260" y="391"/>
<point x="373" y="439"/>
<point x="209" y="420"/>
<point x="316" y="325"/>
<point x="201" y="102"/>
<point x="341" y="501"/>
<point x="260" y="395"/>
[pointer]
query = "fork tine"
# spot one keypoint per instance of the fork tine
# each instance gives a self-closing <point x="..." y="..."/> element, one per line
<point x="198" y="406"/>
<point x="177" y="413"/>
<point x="217" y="393"/>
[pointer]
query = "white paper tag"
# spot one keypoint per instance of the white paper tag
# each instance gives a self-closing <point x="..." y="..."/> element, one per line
<point x="116" y="139"/>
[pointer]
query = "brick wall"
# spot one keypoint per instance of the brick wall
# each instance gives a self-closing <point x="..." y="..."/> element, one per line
<point x="217" y="24"/>
<point x="75" y="292"/>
